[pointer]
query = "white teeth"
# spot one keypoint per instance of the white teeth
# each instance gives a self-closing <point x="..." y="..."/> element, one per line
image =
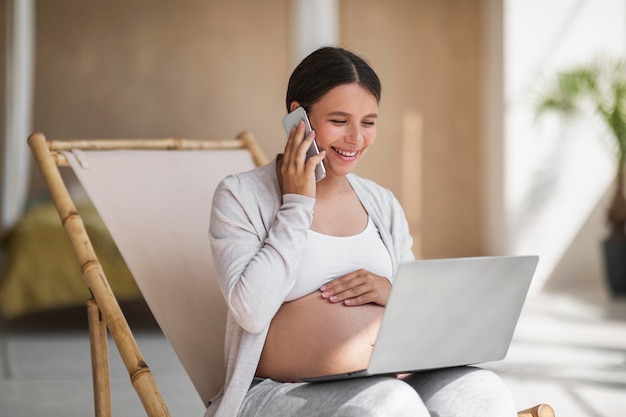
<point x="345" y="153"/>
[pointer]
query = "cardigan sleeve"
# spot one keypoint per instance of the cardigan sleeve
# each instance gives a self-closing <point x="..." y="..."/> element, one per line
<point x="256" y="258"/>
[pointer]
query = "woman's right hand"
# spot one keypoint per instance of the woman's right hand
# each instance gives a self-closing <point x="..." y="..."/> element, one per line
<point x="298" y="173"/>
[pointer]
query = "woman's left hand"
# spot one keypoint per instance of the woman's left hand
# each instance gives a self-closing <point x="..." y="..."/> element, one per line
<point x="357" y="288"/>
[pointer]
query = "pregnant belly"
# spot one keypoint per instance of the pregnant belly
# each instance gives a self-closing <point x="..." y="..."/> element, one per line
<point x="311" y="337"/>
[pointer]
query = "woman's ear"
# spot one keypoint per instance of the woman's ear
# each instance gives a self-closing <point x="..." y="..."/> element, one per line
<point x="294" y="105"/>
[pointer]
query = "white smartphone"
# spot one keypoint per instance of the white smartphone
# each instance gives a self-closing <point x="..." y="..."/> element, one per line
<point x="292" y="120"/>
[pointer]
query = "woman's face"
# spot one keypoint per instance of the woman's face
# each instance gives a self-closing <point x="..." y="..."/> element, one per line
<point x="344" y="120"/>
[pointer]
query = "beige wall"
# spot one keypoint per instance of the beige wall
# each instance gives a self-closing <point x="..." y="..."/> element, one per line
<point x="153" y="68"/>
<point x="429" y="55"/>
<point x="157" y="67"/>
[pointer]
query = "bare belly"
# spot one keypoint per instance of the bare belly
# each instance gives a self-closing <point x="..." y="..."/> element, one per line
<point x="310" y="337"/>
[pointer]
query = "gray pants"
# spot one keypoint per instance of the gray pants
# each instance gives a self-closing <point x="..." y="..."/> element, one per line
<point x="463" y="391"/>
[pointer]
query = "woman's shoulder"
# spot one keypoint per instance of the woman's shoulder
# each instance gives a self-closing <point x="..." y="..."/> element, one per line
<point x="250" y="189"/>
<point x="259" y="178"/>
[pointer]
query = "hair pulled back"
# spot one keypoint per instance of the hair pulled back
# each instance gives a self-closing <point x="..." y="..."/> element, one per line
<point x="325" y="69"/>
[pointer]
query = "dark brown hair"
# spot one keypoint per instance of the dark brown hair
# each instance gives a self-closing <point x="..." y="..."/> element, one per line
<point x="325" y="69"/>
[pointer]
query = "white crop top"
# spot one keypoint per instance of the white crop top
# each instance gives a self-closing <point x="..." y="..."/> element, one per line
<point x="329" y="257"/>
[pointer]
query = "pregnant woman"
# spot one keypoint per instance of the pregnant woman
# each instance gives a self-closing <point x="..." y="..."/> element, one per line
<point x="306" y="268"/>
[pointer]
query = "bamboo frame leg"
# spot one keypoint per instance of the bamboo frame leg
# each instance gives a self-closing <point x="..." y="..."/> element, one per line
<point x="140" y="375"/>
<point x="99" y="361"/>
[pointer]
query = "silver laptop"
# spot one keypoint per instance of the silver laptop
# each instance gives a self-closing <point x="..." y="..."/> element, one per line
<point x="448" y="312"/>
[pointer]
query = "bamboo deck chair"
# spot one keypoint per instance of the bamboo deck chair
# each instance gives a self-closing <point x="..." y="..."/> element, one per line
<point x="154" y="197"/>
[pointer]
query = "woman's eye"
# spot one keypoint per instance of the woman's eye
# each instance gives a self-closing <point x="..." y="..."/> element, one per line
<point x="369" y="123"/>
<point x="338" y="122"/>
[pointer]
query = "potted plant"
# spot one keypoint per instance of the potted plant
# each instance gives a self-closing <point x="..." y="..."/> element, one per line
<point x="599" y="88"/>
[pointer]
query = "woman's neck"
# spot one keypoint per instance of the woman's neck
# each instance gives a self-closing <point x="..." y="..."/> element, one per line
<point x="332" y="186"/>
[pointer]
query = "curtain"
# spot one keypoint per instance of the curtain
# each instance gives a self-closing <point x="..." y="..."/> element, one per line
<point x="18" y="108"/>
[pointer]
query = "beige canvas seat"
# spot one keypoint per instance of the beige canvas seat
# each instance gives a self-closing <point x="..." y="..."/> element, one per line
<point x="154" y="197"/>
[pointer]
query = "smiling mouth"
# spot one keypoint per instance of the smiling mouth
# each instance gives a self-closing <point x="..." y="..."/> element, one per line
<point x="347" y="154"/>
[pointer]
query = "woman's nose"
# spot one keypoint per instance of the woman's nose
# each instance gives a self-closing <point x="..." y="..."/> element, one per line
<point x="355" y="135"/>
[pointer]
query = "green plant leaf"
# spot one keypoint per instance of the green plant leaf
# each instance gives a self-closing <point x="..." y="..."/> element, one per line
<point x="600" y="88"/>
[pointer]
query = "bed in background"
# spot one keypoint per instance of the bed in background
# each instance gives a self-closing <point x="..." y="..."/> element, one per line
<point x="40" y="272"/>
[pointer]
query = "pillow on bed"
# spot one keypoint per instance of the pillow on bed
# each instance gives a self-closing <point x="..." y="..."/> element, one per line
<point x="41" y="271"/>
